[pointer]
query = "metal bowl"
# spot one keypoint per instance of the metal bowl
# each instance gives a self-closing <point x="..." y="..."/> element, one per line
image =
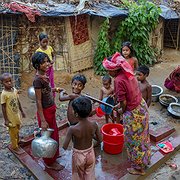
<point x="156" y="92"/>
<point x="31" y="93"/>
<point x="174" y="110"/>
<point x="166" y="99"/>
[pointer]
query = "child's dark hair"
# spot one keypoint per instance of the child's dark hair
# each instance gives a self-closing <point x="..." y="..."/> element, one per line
<point x="143" y="69"/>
<point x="42" y="36"/>
<point x="82" y="106"/>
<point x="79" y="77"/>
<point x="129" y="45"/>
<point x="38" y="58"/>
<point x="2" y="77"/>
<point x="106" y="78"/>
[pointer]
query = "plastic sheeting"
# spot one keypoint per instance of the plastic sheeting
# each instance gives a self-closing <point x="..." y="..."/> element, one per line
<point x="168" y="13"/>
<point x="100" y="9"/>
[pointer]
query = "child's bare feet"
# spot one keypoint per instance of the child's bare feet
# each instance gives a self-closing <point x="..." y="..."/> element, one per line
<point x="136" y="171"/>
<point x="55" y="166"/>
<point x="18" y="150"/>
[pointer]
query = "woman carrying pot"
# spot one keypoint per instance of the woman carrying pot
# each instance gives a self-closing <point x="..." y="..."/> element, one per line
<point x="134" y="110"/>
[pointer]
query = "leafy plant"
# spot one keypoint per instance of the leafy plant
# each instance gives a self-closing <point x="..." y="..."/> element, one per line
<point x="136" y="28"/>
<point x="102" y="49"/>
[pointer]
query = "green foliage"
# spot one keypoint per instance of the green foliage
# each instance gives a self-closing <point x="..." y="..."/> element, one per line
<point x="136" y="28"/>
<point x="102" y="49"/>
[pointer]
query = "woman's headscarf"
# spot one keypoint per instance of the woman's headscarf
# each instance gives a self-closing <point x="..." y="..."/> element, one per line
<point x="118" y="62"/>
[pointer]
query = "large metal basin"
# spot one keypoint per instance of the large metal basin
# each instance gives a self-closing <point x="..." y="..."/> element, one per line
<point x="156" y="92"/>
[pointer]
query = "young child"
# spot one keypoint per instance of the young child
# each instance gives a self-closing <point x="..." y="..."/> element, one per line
<point x="44" y="47"/>
<point x="106" y="91"/>
<point x="128" y="52"/>
<point x="145" y="88"/>
<point x="78" y="83"/>
<point x="46" y="108"/>
<point x="12" y="111"/>
<point x="83" y="158"/>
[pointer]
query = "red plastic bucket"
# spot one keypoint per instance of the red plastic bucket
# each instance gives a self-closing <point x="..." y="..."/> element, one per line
<point x="112" y="148"/>
<point x="99" y="112"/>
<point x="112" y="144"/>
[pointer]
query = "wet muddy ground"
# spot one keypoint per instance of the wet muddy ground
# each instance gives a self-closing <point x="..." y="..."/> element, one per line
<point x="11" y="168"/>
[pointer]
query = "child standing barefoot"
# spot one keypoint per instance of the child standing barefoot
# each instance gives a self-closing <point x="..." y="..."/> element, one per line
<point x="46" y="108"/>
<point x="106" y="91"/>
<point x="83" y="158"/>
<point x="44" y="47"/>
<point x="145" y="88"/>
<point x="128" y="52"/>
<point x="11" y="109"/>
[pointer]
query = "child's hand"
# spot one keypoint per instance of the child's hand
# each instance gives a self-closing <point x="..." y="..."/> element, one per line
<point x="44" y="125"/>
<point x="58" y="89"/>
<point x="112" y="95"/>
<point x="23" y="114"/>
<point x="7" y="123"/>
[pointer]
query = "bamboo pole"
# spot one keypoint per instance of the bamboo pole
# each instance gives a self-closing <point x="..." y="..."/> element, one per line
<point x="177" y="46"/>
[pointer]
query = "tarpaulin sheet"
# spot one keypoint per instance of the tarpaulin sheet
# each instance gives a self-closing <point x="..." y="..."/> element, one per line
<point x="168" y="13"/>
<point x="99" y="9"/>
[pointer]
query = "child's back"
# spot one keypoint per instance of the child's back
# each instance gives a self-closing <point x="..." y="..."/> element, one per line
<point x="82" y="134"/>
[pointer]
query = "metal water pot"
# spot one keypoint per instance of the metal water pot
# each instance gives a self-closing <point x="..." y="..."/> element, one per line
<point x="31" y="93"/>
<point x="44" y="146"/>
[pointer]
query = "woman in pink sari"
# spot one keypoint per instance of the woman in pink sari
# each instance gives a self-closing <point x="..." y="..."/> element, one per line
<point x="133" y="108"/>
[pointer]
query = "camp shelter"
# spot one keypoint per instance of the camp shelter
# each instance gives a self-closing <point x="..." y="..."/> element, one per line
<point x="72" y="34"/>
<point x="72" y="31"/>
<point x="171" y="24"/>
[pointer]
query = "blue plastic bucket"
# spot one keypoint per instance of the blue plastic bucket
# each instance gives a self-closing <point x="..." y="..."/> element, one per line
<point x="107" y="109"/>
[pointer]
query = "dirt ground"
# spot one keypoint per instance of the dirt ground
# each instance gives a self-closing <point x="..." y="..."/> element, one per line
<point x="11" y="168"/>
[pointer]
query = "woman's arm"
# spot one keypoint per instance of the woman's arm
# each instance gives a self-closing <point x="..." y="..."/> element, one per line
<point x="44" y="124"/>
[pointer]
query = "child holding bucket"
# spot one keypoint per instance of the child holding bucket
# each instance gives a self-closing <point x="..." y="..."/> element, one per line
<point x="83" y="133"/>
<point x="105" y="92"/>
<point x="135" y="112"/>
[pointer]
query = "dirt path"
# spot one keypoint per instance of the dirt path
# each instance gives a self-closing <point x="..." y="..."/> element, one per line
<point x="11" y="168"/>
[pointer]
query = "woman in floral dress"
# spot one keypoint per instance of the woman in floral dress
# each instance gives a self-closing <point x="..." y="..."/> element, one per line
<point x="134" y="110"/>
